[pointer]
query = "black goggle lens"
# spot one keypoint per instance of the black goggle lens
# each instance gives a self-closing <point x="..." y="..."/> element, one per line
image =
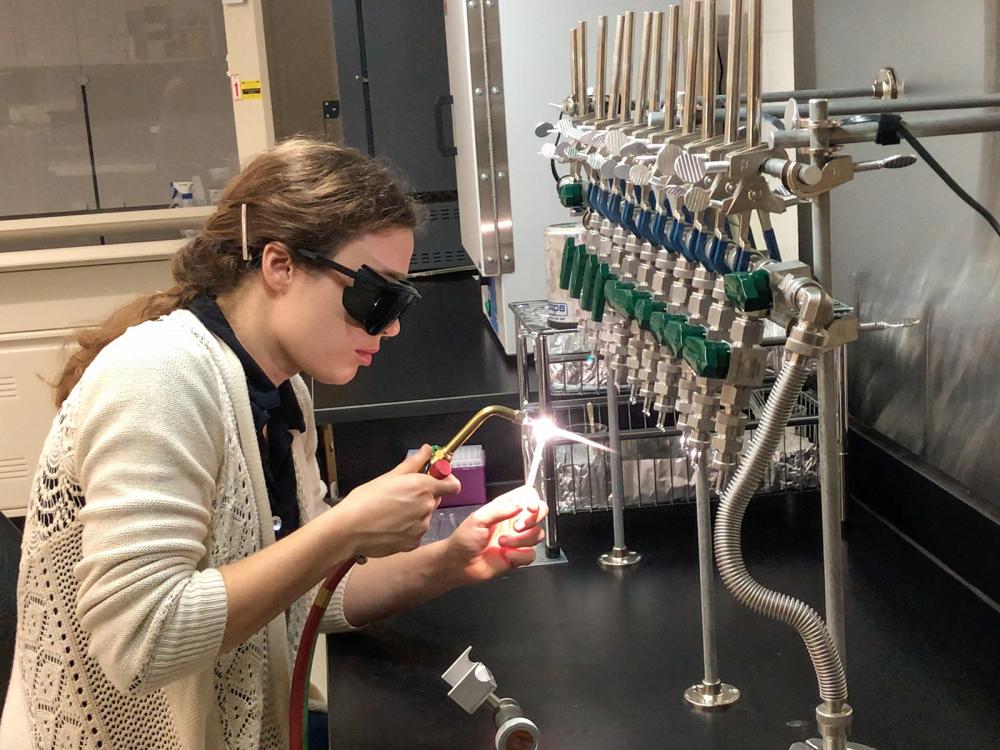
<point x="376" y="302"/>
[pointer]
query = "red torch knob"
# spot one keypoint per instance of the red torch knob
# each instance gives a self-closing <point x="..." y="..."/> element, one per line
<point x="440" y="469"/>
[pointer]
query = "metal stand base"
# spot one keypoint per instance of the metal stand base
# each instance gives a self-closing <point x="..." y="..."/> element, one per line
<point x="619" y="557"/>
<point x="718" y="695"/>
<point x="817" y="744"/>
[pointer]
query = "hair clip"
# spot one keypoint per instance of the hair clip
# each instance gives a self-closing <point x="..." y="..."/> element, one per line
<point x="243" y="232"/>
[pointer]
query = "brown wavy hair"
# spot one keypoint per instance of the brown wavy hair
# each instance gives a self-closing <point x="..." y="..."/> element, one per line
<point x="301" y="192"/>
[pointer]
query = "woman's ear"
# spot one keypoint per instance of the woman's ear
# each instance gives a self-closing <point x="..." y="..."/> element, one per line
<point x="276" y="267"/>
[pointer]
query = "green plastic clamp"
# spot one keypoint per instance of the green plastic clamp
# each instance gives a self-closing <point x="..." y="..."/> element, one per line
<point x="597" y="305"/>
<point x="658" y="322"/>
<point x="644" y="309"/>
<point x="749" y="291"/>
<point x="571" y="194"/>
<point x="677" y="332"/>
<point x="566" y="269"/>
<point x="709" y="359"/>
<point x="590" y="272"/>
<point x="624" y="300"/>
<point x="576" y="273"/>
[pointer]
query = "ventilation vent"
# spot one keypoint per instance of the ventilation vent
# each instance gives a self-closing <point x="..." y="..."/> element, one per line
<point x="449" y="213"/>
<point x="439" y="260"/>
<point x="13" y="468"/>
<point x="8" y="386"/>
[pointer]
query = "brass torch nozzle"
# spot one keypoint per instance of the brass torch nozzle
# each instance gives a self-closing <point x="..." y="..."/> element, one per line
<point x="447" y="452"/>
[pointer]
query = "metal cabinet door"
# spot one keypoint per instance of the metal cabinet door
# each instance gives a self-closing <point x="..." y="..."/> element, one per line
<point x="393" y="66"/>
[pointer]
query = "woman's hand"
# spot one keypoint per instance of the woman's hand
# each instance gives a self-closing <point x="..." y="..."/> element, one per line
<point x="497" y="537"/>
<point x="392" y="512"/>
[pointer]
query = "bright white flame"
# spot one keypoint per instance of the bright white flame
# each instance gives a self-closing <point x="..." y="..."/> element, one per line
<point x="543" y="430"/>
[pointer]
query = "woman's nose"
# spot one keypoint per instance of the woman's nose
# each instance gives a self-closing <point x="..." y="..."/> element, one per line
<point x="392" y="330"/>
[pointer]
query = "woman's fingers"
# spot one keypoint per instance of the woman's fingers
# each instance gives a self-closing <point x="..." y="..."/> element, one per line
<point x="528" y="538"/>
<point x="517" y="558"/>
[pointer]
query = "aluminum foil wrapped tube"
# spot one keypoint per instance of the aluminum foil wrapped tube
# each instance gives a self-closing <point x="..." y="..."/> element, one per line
<point x="728" y="548"/>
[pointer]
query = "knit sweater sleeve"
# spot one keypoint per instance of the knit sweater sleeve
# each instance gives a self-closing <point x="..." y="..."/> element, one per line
<point x="315" y="495"/>
<point x="149" y="444"/>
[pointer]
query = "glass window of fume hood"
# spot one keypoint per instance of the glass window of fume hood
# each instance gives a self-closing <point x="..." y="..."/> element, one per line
<point x="105" y="103"/>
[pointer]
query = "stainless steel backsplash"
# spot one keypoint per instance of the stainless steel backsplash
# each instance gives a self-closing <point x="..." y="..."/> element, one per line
<point x="905" y="245"/>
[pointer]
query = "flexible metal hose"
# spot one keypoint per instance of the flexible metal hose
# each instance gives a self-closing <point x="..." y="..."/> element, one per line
<point x="728" y="548"/>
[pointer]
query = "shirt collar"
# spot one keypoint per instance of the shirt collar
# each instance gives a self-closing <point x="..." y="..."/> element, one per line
<point x="266" y="399"/>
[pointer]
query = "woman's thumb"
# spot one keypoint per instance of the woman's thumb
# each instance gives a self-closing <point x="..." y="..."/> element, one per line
<point x="413" y="464"/>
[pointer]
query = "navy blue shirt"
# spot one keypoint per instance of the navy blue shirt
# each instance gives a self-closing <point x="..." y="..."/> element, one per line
<point x="276" y="413"/>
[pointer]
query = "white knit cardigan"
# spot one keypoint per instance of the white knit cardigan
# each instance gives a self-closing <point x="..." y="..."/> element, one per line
<point x="149" y="481"/>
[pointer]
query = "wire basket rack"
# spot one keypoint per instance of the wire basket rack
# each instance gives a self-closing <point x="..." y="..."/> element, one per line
<point x="656" y="469"/>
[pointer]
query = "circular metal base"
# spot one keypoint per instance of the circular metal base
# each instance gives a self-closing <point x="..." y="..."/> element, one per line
<point x="817" y="744"/>
<point x="703" y="695"/>
<point x="619" y="558"/>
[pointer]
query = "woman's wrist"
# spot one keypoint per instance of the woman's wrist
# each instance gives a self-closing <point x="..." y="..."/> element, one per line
<point x="451" y="563"/>
<point x="342" y="542"/>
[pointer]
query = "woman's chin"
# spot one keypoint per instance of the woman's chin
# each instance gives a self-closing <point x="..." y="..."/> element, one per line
<point x="337" y="376"/>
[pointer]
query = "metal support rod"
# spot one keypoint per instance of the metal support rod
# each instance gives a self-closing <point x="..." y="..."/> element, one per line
<point x="620" y="555"/>
<point x="581" y="65"/>
<point x="840" y="362"/>
<point x="755" y="40"/>
<point x="871" y="106"/>
<point x="574" y="79"/>
<point x="706" y="570"/>
<point x="617" y="471"/>
<point x="831" y="437"/>
<point x="865" y="132"/>
<point x="711" y="692"/>
<point x="548" y="455"/>
<point x="860" y="92"/>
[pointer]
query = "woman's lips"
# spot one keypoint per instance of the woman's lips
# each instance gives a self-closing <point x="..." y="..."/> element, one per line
<point x="365" y="356"/>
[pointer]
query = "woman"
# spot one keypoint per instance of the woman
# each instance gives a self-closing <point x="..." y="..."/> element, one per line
<point x="177" y="529"/>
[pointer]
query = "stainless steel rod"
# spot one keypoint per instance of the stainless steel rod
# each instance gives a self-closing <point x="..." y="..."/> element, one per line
<point x="642" y="80"/>
<point x="574" y="79"/>
<point x="871" y="106"/>
<point x="709" y="67"/>
<point x="831" y="469"/>
<point x="616" y="67"/>
<point x="581" y="65"/>
<point x="755" y="40"/>
<point x="866" y="132"/>
<point x="691" y="65"/>
<point x="733" y="68"/>
<point x="706" y="569"/>
<point x="548" y="452"/>
<point x="626" y="85"/>
<point x="617" y="471"/>
<point x="673" y="55"/>
<point x="806" y="94"/>
<point x="656" y="64"/>
<point x="600" y="72"/>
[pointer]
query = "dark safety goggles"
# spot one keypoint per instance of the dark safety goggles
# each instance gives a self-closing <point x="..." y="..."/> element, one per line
<point x="372" y="300"/>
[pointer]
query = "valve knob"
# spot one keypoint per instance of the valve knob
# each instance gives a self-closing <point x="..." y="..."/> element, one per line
<point x="440" y="469"/>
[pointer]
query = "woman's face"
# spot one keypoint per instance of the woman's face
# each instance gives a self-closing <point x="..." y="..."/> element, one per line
<point x="316" y="333"/>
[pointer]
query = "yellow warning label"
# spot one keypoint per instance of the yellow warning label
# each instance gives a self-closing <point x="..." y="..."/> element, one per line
<point x="250" y="90"/>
